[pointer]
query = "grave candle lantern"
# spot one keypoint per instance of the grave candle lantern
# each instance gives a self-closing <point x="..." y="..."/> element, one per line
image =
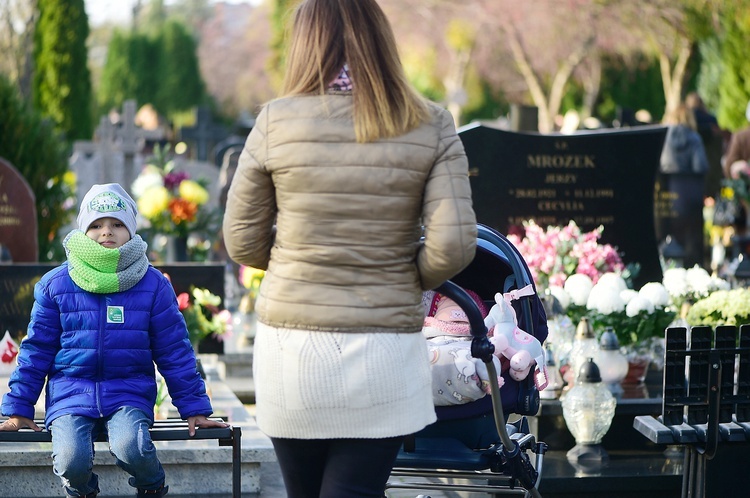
<point x="588" y="409"/>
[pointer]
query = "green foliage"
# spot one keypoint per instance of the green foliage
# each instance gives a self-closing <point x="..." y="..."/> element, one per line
<point x="179" y="84"/>
<point x="62" y="82"/>
<point x="630" y="331"/>
<point x="280" y="26"/>
<point x="203" y="315"/>
<point x="160" y="69"/>
<point x="734" y="88"/>
<point x="722" y="307"/>
<point x="35" y="149"/>
<point x="634" y="85"/>
<point x="710" y="73"/>
<point x="128" y="72"/>
<point x="419" y="66"/>
<point x="484" y="102"/>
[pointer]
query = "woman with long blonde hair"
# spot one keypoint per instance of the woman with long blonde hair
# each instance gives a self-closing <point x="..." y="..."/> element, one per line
<point x="352" y="192"/>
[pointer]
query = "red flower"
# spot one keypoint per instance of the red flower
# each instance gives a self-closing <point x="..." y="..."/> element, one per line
<point x="183" y="301"/>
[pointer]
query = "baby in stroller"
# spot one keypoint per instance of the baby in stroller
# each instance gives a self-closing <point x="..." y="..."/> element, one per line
<point x="472" y="438"/>
<point x="458" y="377"/>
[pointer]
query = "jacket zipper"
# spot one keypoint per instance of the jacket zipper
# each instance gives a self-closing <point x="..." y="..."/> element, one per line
<point x="100" y="353"/>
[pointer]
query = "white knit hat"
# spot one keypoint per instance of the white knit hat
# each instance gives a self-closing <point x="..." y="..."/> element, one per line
<point x="107" y="201"/>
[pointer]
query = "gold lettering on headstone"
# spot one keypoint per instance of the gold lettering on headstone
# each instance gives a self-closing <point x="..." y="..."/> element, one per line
<point x="560" y="178"/>
<point x="664" y="204"/>
<point x="561" y="161"/>
<point x="7" y="212"/>
<point x="542" y="220"/>
<point x="560" y="206"/>
<point x="7" y="221"/>
<point x="534" y="193"/>
<point x="594" y="193"/>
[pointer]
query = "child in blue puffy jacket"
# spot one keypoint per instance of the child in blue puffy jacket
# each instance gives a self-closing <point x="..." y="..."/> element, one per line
<point x="99" y="323"/>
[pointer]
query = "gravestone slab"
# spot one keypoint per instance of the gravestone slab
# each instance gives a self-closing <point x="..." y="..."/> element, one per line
<point x="17" y="292"/>
<point x="593" y="178"/>
<point x="17" y="295"/>
<point x="18" y="223"/>
<point x="679" y="214"/>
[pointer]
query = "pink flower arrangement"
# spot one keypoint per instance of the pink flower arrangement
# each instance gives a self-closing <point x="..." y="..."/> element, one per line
<point x="558" y="252"/>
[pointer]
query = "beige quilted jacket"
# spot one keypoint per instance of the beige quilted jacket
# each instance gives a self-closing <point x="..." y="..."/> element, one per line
<point x="337" y="224"/>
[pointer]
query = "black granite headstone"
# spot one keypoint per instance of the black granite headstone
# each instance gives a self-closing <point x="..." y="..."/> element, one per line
<point x="679" y="213"/>
<point x="593" y="178"/>
<point x="17" y="295"/>
<point x="17" y="292"/>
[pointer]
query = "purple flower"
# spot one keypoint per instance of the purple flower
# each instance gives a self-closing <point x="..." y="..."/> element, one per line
<point x="173" y="180"/>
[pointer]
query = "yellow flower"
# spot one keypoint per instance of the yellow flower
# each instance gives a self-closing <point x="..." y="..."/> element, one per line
<point x="153" y="202"/>
<point x="205" y="297"/>
<point x="251" y="277"/>
<point x="70" y="178"/>
<point x="193" y="192"/>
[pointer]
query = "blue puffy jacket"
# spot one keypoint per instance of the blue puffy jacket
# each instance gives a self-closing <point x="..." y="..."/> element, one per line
<point x="97" y="351"/>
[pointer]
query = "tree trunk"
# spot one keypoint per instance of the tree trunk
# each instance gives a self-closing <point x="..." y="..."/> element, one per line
<point x="672" y="77"/>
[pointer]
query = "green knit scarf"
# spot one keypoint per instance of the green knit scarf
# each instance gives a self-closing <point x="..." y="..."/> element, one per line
<point x="100" y="270"/>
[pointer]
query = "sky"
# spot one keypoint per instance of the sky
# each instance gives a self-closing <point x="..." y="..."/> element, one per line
<point x="120" y="11"/>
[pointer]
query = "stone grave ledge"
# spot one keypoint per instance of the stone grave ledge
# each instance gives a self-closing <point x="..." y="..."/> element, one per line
<point x="193" y="468"/>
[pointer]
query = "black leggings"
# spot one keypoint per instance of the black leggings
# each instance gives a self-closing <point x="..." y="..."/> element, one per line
<point x="336" y="468"/>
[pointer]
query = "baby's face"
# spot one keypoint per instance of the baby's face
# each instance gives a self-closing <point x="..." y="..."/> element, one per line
<point x="449" y="311"/>
<point x="108" y="232"/>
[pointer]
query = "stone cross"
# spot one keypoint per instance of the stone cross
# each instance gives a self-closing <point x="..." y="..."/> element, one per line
<point x="114" y="154"/>
<point x="204" y="134"/>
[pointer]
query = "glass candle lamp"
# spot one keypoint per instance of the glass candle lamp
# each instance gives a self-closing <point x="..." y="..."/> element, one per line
<point x="555" y="382"/>
<point x="613" y="365"/>
<point x="588" y="409"/>
<point x="585" y="346"/>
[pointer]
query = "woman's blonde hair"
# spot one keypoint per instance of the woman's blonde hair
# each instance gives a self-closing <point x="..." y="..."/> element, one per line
<point x="330" y="33"/>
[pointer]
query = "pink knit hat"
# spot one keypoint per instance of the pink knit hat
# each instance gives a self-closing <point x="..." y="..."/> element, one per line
<point x="437" y="297"/>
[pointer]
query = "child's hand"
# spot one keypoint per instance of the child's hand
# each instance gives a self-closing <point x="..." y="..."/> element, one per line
<point x="202" y="421"/>
<point x="16" y="422"/>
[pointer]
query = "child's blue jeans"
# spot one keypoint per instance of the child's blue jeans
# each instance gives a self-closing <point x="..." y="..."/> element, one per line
<point x="73" y="439"/>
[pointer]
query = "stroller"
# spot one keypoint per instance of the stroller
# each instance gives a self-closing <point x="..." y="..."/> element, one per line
<point x="473" y="443"/>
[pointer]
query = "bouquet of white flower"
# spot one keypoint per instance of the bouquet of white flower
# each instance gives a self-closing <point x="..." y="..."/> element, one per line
<point x="686" y="286"/>
<point x="635" y="316"/>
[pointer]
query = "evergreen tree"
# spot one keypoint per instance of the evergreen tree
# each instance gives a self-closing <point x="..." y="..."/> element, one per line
<point x="129" y="71"/>
<point x="160" y="69"/>
<point x="62" y="82"/>
<point x="179" y="85"/>
<point x="35" y="149"/>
